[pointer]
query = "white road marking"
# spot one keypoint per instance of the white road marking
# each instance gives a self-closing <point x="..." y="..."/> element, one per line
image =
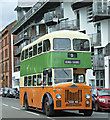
<point x="32" y="113"/>
<point x="50" y="118"/>
<point x="5" y="104"/>
<point x="15" y="108"/>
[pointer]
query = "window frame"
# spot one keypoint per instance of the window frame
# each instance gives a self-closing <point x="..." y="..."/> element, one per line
<point x="60" y="48"/>
<point x="46" y="50"/>
<point x="73" y="40"/>
<point x="27" y="54"/>
<point x="79" y="74"/>
<point x="30" y="51"/>
<point x="23" y="55"/>
<point x="38" y="47"/>
<point x="34" y="49"/>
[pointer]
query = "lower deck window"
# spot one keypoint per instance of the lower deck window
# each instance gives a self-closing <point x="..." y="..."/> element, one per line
<point x="25" y="81"/>
<point x="62" y="75"/>
<point x="39" y="82"/>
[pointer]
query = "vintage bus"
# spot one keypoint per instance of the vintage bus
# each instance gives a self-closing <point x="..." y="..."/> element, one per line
<point x="53" y="73"/>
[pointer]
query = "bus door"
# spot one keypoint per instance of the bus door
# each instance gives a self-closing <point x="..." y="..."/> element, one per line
<point x="47" y="78"/>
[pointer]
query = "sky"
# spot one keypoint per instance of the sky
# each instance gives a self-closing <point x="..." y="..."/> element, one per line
<point x="7" y="13"/>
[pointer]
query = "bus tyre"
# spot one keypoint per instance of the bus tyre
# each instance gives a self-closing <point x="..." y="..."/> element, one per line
<point x="88" y="112"/>
<point x="26" y="104"/>
<point x="48" y="109"/>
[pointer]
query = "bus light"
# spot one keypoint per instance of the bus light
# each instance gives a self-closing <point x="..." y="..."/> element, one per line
<point x="58" y="96"/>
<point x="87" y="102"/>
<point x="87" y="96"/>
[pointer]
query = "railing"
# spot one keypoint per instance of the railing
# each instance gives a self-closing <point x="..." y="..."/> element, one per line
<point x="95" y="39"/>
<point x="98" y="62"/>
<point x="17" y="63"/>
<point x="101" y="8"/>
<point x="35" y="38"/>
<point x="54" y="14"/>
<point x="66" y="25"/>
<point x="18" y="50"/>
<point x="20" y="38"/>
<point x="30" y="13"/>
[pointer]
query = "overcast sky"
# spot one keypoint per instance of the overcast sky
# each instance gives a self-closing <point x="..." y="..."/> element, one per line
<point x="7" y="13"/>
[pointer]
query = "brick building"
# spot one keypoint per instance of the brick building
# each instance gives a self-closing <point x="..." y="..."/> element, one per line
<point x="6" y="56"/>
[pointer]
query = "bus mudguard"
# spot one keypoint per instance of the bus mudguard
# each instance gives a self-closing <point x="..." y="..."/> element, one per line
<point x="51" y="102"/>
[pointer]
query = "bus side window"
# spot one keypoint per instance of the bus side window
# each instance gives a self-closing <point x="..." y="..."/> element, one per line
<point x="25" y="81"/>
<point x="39" y="47"/>
<point x="22" y="55"/>
<point x="29" y="81"/>
<point x="26" y="53"/>
<point x="30" y="52"/>
<point x="49" y="77"/>
<point x="46" y="45"/>
<point x="34" y="80"/>
<point x="45" y="77"/>
<point x="35" y="50"/>
<point x="39" y="80"/>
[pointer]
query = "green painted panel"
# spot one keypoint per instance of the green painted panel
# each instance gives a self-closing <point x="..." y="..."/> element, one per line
<point x="53" y="60"/>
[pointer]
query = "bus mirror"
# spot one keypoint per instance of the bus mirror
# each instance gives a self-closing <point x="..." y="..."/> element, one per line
<point x="49" y="72"/>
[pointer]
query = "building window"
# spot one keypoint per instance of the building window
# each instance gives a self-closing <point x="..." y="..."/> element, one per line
<point x="3" y="68"/>
<point x="6" y="42"/>
<point x="97" y="83"/>
<point x="6" y="53"/>
<point x="37" y="30"/>
<point x="6" y="67"/>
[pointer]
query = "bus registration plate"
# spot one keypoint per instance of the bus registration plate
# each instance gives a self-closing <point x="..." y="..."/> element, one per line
<point x="73" y="101"/>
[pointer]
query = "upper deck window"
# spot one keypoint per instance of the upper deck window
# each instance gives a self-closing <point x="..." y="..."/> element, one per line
<point x="35" y="50"/>
<point x="39" y="47"/>
<point x="26" y="53"/>
<point x="46" y="45"/>
<point x="30" y="52"/>
<point x="22" y="55"/>
<point x="81" y="45"/>
<point x="61" y="44"/>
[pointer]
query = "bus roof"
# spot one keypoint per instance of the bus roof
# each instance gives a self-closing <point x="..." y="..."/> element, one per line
<point x="60" y="33"/>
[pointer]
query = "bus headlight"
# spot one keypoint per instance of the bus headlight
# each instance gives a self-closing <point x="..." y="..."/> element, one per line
<point x="58" y="96"/>
<point x="88" y="96"/>
<point x="102" y="100"/>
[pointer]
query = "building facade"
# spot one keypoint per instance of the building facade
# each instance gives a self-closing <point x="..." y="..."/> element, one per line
<point x="91" y="18"/>
<point x="6" y="57"/>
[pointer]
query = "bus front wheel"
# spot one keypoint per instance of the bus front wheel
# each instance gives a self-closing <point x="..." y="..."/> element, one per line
<point x="88" y="112"/>
<point x="48" y="109"/>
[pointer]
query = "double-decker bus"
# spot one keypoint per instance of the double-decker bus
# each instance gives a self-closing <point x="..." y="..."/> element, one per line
<point x="53" y="73"/>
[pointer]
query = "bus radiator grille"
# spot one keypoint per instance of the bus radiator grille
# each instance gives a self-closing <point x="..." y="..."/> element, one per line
<point x="73" y="98"/>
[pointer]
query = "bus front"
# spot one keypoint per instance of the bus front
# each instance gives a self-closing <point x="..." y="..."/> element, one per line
<point x="71" y="57"/>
